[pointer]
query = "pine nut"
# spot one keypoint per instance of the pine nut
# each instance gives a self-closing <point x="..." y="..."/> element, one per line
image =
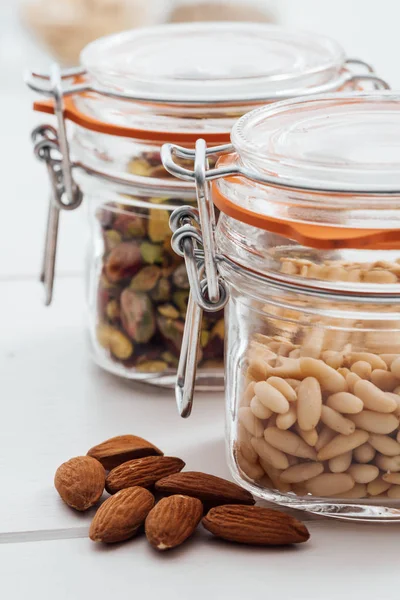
<point x="310" y="437"/>
<point x="378" y="486"/>
<point x="351" y="380"/>
<point x="396" y="398"/>
<point x="384" y="444"/>
<point x="375" y="422"/>
<point x="344" y="402"/>
<point x="269" y="454"/>
<point x="253" y="471"/>
<point x="328" y="484"/>
<point x="302" y="472"/>
<point x="288" y="419"/>
<point x="259" y="410"/>
<point x="343" y="371"/>
<point x="294" y="383"/>
<point x="374" y="398"/>
<point x="373" y="359"/>
<point x="395" y="367"/>
<point x="364" y="453"/>
<point x="312" y="343"/>
<point x="244" y="444"/>
<point x="388" y="463"/>
<point x="379" y="276"/>
<point x="336" y="421"/>
<point x="274" y="475"/>
<point x="289" y="442"/>
<point x="324" y="437"/>
<point x="258" y="369"/>
<point x="283" y="387"/>
<point x="358" y="491"/>
<point x="286" y="367"/>
<point x="361" y="368"/>
<point x="389" y="358"/>
<point x="333" y="358"/>
<point x="309" y="403"/>
<point x="363" y="473"/>
<point x="294" y="353"/>
<point x="329" y="379"/>
<point x="394" y="492"/>
<point x="340" y="463"/>
<point x="392" y="478"/>
<point x="384" y="380"/>
<point x="250" y="422"/>
<point x="271" y="397"/>
<point x="343" y="443"/>
<point x="248" y="394"/>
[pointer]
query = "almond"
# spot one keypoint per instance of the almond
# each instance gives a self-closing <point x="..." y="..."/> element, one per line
<point x="142" y="471"/>
<point x="120" y="516"/>
<point x="172" y="521"/>
<point x="255" y="525"/>
<point x="119" y="449"/>
<point x="80" y="482"/>
<point x="211" y="490"/>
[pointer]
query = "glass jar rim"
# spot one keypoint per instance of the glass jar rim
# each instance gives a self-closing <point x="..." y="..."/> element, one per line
<point x="319" y="143"/>
<point x="179" y="59"/>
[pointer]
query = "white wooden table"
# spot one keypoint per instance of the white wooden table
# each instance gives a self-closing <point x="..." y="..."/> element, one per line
<point x="56" y="404"/>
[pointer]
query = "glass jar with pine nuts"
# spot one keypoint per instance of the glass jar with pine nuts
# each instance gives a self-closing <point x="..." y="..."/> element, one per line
<point x="307" y="256"/>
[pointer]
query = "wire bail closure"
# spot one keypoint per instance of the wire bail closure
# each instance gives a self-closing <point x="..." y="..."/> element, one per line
<point x="193" y="238"/>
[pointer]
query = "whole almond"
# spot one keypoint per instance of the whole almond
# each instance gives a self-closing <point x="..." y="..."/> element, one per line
<point x="255" y="525"/>
<point x="119" y="449"/>
<point x="211" y="490"/>
<point x="120" y="516"/>
<point x="142" y="471"/>
<point x="172" y="521"/>
<point x="80" y="482"/>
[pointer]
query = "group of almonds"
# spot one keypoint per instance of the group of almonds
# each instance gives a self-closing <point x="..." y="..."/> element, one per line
<point x="128" y="467"/>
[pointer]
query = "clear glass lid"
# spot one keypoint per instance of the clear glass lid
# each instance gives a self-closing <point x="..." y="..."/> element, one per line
<point x="213" y="62"/>
<point x="348" y="143"/>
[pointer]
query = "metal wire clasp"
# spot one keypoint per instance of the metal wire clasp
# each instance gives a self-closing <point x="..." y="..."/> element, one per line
<point x="193" y="238"/>
<point x="51" y="146"/>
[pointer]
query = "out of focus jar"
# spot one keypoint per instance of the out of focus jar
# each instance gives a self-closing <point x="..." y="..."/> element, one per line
<point x="308" y="251"/>
<point x="133" y="92"/>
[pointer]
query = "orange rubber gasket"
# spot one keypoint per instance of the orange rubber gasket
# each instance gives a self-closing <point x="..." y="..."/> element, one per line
<point x="72" y="113"/>
<point x="323" y="237"/>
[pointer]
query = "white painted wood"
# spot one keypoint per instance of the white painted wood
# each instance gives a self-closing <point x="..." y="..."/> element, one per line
<point x="341" y="561"/>
<point x="57" y="404"/>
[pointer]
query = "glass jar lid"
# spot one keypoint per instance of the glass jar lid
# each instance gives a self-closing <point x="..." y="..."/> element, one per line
<point x="213" y="62"/>
<point x="333" y="143"/>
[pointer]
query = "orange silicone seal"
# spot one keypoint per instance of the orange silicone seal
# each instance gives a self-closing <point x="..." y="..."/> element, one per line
<point x="72" y="113"/>
<point x="324" y="237"/>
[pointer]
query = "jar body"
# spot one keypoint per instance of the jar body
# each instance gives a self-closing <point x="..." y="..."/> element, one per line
<point x="313" y="383"/>
<point x="138" y="291"/>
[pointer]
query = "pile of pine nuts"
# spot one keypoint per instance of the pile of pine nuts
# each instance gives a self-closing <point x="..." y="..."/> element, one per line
<point x="317" y="417"/>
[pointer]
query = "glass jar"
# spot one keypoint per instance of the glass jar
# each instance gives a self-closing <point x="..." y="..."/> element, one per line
<point x="133" y="92"/>
<point x="308" y="252"/>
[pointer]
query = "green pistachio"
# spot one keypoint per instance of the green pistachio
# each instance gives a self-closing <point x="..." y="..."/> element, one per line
<point x="151" y="366"/>
<point x="167" y="310"/>
<point x="159" y="225"/>
<point x="161" y="292"/>
<point x="130" y="225"/>
<point x="137" y="316"/>
<point x="123" y="261"/>
<point x="112" y="238"/>
<point x="114" y="340"/>
<point x="204" y="337"/>
<point x="170" y="359"/>
<point x="171" y="330"/>
<point x="139" y="166"/>
<point x="151" y="253"/>
<point x="112" y="310"/>
<point x="146" y="279"/>
<point x="180" y="298"/>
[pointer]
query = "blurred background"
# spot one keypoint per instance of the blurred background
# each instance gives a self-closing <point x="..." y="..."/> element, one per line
<point x="35" y="32"/>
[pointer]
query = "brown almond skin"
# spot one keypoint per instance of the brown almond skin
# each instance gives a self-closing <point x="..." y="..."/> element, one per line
<point x="142" y="471"/>
<point x="120" y="449"/>
<point x="120" y="516"/>
<point x="211" y="490"/>
<point x="255" y="525"/>
<point x="80" y="482"/>
<point x="172" y="521"/>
